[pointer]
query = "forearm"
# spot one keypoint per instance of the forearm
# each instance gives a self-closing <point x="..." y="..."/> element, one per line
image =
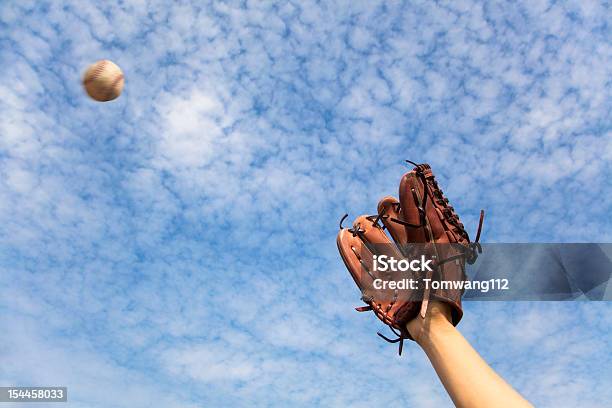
<point x="468" y="379"/>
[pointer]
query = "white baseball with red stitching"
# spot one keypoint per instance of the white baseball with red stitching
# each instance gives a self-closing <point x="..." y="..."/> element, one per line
<point x="103" y="81"/>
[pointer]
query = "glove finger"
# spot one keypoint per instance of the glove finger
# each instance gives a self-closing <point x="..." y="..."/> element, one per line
<point x="374" y="237"/>
<point x="358" y="246"/>
<point x="392" y="218"/>
<point x="356" y="256"/>
<point x="411" y="202"/>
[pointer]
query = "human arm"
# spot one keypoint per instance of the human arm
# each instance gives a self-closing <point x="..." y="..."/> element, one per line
<point x="467" y="378"/>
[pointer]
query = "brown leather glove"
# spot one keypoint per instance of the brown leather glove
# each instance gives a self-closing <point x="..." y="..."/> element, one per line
<point x="421" y="223"/>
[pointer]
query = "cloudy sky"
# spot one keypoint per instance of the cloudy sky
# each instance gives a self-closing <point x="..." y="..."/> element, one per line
<point x="176" y="247"/>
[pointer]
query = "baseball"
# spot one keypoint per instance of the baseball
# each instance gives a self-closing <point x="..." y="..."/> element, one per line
<point x="103" y="81"/>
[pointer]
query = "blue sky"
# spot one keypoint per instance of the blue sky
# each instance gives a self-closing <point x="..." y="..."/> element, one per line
<point x="176" y="247"/>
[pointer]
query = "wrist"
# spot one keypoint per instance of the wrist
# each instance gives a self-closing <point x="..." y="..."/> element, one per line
<point x="437" y="319"/>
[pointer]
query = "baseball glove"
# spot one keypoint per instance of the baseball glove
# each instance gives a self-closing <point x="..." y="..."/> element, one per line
<point x="421" y="223"/>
